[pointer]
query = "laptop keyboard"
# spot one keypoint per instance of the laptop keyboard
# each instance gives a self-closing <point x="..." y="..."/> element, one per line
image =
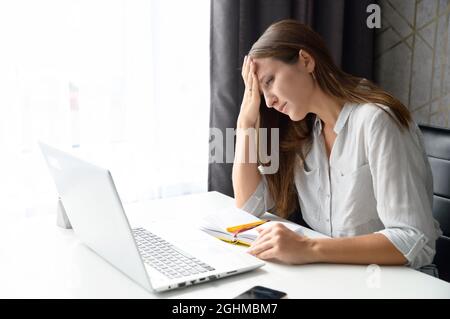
<point x="166" y="258"/>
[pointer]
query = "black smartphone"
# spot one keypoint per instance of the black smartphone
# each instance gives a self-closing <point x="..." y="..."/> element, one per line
<point x="260" y="292"/>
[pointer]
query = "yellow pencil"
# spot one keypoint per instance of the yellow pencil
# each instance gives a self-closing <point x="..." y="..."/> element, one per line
<point x="240" y="228"/>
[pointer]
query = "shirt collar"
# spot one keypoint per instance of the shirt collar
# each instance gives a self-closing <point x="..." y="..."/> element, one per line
<point x="340" y="122"/>
<point x="343" y="117"/>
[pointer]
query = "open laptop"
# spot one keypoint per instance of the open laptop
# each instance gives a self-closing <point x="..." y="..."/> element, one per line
<point x="159" y="256"/>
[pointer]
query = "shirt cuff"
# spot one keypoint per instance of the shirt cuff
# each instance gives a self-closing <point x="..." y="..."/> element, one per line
<point x="259" y="202"/>
<point x="412" y="244"/>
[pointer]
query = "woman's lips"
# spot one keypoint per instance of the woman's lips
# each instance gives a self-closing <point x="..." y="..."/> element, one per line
<point x="283" y="108"/>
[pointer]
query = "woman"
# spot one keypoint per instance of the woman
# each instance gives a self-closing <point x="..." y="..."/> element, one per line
<point x="350" y="156"/>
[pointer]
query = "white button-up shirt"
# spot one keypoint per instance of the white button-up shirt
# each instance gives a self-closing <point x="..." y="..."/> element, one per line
<point x="377" y="180"/>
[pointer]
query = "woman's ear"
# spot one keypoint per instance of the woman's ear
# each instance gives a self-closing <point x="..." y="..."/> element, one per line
<point x="306" y="61"/>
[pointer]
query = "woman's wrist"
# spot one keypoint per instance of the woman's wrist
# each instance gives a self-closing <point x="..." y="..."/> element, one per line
<point x="244" y="123"/>
<point x="315" y="251"/>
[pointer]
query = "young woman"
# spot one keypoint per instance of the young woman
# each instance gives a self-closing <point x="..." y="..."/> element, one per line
<point x="350" y="156"/>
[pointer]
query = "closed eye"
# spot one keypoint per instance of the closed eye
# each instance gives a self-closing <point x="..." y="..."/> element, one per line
<point x="269" y="81"/>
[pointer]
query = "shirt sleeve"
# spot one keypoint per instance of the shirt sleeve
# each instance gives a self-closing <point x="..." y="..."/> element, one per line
<point x="260" y="201"/>
<point x="403" y="188"/>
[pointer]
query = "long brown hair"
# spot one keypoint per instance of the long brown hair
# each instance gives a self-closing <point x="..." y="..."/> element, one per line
<point x="283" y="41"/>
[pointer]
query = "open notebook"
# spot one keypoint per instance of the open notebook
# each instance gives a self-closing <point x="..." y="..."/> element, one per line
<point x="216" y="224"/>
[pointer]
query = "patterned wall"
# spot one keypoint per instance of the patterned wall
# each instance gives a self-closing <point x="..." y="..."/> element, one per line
<point x="412" y="57"/>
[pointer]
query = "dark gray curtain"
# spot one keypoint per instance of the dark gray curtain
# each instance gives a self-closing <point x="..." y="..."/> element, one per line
<point x="237" y="24"/>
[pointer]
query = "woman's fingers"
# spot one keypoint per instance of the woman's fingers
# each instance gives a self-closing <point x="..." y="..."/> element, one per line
<point x="244" y="68"/>
<point x="249" y="84"/>
<point x="261" y="239"/>
<point x="248" y="70"/>
<point x="255" y="85"/>
<point x="265" y="230"/>
<point x="249" y="75"/>
<point x="267" y="254"/>
<point x="266" y="233"/>
<point x="250" y="102"/>
<point x="260" y="248"/>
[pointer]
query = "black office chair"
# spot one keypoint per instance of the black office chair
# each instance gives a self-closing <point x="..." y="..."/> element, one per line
<point x="437" y="147"/>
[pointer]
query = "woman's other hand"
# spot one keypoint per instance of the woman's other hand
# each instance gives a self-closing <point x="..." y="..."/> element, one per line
<point x="251" y="101"/>
<point x="282" y="244"/>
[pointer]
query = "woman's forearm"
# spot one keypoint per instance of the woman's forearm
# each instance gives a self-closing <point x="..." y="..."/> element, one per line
<point x="245" y="174"/>
<point x="367" y="249"/>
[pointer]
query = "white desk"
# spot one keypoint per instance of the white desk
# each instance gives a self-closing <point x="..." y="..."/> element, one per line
<point x="40" y="260"/>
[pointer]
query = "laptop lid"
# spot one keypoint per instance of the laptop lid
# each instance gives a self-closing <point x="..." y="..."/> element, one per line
<point x="95" y="211"/>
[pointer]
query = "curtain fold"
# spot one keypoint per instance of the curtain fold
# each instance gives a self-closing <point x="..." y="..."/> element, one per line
<point x="236" y="25"/>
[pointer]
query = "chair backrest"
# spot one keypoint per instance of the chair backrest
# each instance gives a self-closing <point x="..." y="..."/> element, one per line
<point x="437" y="147"/>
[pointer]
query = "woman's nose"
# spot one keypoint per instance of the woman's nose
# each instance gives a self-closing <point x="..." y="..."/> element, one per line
<point x="271" y="101"/>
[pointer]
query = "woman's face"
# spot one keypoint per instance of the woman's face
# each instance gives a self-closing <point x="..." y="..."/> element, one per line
<point x="287" y="87"/>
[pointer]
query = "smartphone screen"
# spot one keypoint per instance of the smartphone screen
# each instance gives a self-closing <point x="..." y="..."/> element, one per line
<point x="259" y="292"/>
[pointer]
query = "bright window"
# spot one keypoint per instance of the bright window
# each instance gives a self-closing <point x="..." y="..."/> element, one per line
<point x="122" y="83"/>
